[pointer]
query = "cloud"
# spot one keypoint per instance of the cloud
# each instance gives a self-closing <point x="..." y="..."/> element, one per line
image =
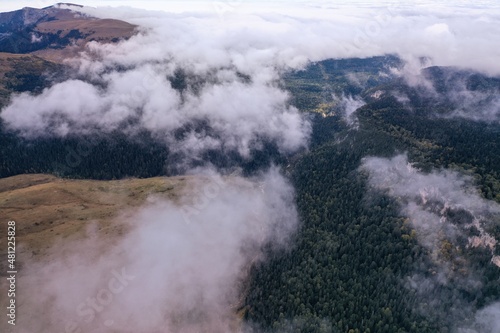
<point x="180" y="267"/>
<point x="450" y="219"/>
<point x="449" y="34"/>
<point x="347" y="105"/>
<point x="438" y="29"/>
<point x="487" y="320"/>
<point x="230" y="114"/>
<point x="464" y="94"/>
<point x="234" y="61"/>
<point x="441" y="205"/>
<point x="209" y="79"/>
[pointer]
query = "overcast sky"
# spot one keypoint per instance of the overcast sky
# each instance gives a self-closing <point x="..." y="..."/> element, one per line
<point x="7" y="5"/>
<point x="168" y="5"/>
<point x="190" y="5"/>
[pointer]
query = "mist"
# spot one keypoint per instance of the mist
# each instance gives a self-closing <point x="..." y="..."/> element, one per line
<point x="181" y="267"/>
<point x="209" y="80"/>
<point x="450" y="219"/>
<point x="464" y="94"/>
<point x="227" y="58"/>
<point x="428" y="200"/>
<point x="347" y="105"/>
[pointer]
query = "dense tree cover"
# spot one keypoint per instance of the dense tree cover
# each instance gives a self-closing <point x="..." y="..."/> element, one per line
<point x="349" y="267"/>
<point x="468" y="146"/>
<point x="353" y="256"/>
<point x="115" y="155"/>
<point x="348" y="270"/>
<point x="27" y="73"/>
<point x="348" y="261"/>
<point x="30" y="74"/>
<point x="21" y="41"/>
<point x="316" y="85"/>
<point x="98" y="157"/>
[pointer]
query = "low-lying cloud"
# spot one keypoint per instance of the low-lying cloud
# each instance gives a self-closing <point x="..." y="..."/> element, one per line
<point x="227" y="115"/>
<point x="463" y="94"/>
<point x="180" y="267"/>
<point x="450" y="219"/>
<point x="440" y="205"/>
<point x="347" y="105"/>
<point x="201" y="81"/>
<point x="232" y="61"/>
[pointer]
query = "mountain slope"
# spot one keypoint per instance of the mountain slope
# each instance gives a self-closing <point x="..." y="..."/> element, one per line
<point x="47" y="208"/>
<point x="56" y="33"/>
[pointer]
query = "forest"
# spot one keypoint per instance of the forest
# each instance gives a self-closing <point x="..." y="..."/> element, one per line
<point x="352" y="258"/>
<point x="355" y="251"/>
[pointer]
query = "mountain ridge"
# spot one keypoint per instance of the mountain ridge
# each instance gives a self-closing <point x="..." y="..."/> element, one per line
<point x="56" y="33"/>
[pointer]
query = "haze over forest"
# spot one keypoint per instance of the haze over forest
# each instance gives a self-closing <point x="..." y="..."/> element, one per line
<point x="244" y="166"/>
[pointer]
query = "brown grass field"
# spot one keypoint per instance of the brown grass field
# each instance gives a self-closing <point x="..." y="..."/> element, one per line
<point x="100" y="30"/>
<point x="50" y="210"/>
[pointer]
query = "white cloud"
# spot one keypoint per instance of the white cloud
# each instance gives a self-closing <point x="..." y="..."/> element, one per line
<point x="347" y="105"/>
<point x="427" y="199"/>
<point x="255" y="39"/>
<point x="442" y="206"/>
<point x="180" y="265"/>
<point x="438" y="29"/>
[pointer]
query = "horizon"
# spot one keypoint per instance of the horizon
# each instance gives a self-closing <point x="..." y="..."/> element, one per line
<point x="211" y="5"/>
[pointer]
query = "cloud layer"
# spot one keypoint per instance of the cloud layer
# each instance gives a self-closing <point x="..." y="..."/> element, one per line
<point x="180" y="267"/>
<point x="229" y="63"/>
<point x="209" y="80"/>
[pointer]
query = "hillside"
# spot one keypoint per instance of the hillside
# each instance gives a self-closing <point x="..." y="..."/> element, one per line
<point x="25" y="73"/>
<point x="56" y="33"/>
<point x="356" y="250"/>
<point x="362" y="261"/>
<point x="48" y="209"/>
<point x="386" y="219"/>
<point x="34" y="44"/>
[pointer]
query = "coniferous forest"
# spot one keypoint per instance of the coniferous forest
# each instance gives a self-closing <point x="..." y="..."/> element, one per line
<point x="355" y="253"/>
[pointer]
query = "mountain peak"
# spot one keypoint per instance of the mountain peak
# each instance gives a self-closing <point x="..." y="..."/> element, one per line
<point x="57" y="32"/>
<point x="59" y="4"/>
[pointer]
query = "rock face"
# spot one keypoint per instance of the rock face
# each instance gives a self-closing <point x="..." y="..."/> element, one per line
<point x="51" y="31"/>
